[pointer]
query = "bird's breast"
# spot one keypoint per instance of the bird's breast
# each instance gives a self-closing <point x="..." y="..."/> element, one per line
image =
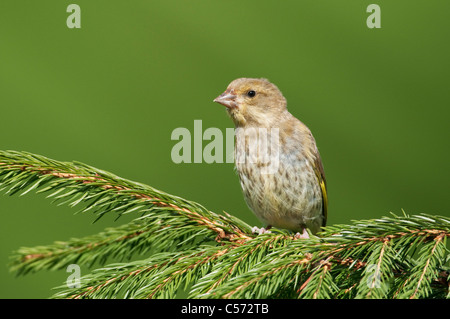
<point x="280" y="185"/>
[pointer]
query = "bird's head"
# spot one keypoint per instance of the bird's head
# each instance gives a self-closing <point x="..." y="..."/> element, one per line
<point x="253" y="102"/>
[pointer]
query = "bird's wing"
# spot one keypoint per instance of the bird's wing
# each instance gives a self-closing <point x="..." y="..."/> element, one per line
<point x="318" y="169"/>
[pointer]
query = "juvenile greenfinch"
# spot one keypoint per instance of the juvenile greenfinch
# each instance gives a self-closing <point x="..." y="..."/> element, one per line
<point x="276" y="157"/>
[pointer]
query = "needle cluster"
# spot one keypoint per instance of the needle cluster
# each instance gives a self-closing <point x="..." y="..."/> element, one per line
<point x="186" y="249"/>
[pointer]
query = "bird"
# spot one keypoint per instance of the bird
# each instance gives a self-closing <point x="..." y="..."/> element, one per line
<point x="276" y="158"/>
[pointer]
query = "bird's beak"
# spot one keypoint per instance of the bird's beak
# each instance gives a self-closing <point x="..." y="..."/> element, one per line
<point x="227" y="98"/>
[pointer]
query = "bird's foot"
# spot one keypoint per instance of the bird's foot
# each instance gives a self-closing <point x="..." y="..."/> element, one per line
<point x="303" y="235"/>
<point x="260" y="231"/>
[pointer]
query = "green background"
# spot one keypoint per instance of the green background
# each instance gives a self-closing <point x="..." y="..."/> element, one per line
<point x="111" y="93"/>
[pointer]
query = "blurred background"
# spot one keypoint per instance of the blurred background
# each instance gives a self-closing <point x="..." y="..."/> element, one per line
<point x="111" y="93"/>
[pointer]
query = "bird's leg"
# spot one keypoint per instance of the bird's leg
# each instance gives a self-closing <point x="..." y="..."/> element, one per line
<point x="262" y="230"/>
<point x="304" y="234"/>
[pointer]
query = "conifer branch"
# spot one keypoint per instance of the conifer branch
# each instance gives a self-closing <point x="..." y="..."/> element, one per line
<point x="184" y="246"/>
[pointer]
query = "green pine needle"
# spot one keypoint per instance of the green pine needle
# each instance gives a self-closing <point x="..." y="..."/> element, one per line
<point x="185" y="248"/>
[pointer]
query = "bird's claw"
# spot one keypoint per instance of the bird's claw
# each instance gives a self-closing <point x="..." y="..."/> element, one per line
<point x="260" y="231"/>
<point x="303" y="235"/>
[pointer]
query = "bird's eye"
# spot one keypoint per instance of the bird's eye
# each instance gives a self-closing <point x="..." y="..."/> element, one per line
<point x="251" y="93"/>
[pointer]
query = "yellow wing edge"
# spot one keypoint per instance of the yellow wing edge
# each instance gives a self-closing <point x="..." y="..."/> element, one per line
<point x="324" y="202"/>
<point x="318" y="169"/>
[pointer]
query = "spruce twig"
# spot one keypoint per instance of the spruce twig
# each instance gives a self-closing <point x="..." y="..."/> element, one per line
<point x="208" y="255"/>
